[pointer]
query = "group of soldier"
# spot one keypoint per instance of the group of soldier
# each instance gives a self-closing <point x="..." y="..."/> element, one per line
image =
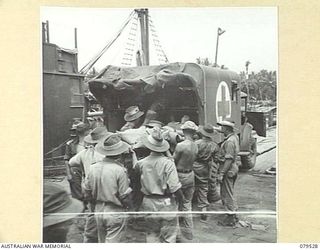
<point x="149" y="168"/>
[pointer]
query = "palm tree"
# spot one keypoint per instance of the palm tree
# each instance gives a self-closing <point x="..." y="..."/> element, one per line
<point x="260" y="86"/>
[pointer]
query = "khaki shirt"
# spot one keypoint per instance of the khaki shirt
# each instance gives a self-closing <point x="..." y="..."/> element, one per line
<point x="107" y="181"/>
<point x="208" y="151"/>
<point x="158" y="175"/>
<point x="229" y="150"/>
<point x="72" y="148"/>
<point x="85" y="158"/>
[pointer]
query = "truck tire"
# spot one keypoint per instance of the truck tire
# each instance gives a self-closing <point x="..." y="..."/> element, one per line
<point x="249" y="161"/>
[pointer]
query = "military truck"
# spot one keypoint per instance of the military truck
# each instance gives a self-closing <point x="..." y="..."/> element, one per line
<point x="206" y="94"/>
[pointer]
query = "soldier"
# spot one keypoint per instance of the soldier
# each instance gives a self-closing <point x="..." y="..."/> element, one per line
<point x="89" y="156"/>
<point x="82" y="161"/>
<point x="229" y="170"/>
<point x="154" y="123"/>
<point x="178" y="127"/>
<point x="172" y="122"/>
<point x="56" y="200"/>
<point x="107" y="186"/>
<point x="91" y="122"/>
<point x="132" y="137"/>
<point x="184" y="155"/>
<point x="159" y="184"/>
<point x="150" y="115"/>
<point x="99" y="121"/>
<point x="204" y="165"/>
<point x="184" y="119"/>
<point x="132" y="117"/>
<point x="74" y="146"/>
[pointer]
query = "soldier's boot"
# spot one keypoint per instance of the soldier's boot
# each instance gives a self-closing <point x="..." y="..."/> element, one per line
<point x="204" y="217"/>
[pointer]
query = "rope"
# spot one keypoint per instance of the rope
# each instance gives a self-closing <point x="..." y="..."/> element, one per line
<point x="130" y="44"/>
<point x="58" y="147"/>
<point x="90" y="64"/>
<point x="156" y="43"/>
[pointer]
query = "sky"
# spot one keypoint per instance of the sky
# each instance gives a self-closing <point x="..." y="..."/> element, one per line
<point x="184" y="34"/>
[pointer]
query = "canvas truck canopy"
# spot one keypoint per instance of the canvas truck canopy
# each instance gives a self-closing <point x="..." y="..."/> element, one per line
<point x="141" y="81"/>
<point x="176" y="88"/>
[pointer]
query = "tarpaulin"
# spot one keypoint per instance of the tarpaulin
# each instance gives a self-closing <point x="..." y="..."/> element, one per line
<point x="146" y="79"/>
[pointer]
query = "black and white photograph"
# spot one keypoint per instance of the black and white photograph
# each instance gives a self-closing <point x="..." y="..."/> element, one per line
<point x="159" y="125"/>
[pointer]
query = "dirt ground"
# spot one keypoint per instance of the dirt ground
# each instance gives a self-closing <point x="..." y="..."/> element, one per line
<point x="255" y="192"/>
<point x="211" y="232"/>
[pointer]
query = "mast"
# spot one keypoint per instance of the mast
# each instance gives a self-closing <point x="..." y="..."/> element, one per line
<point x="143" y="16"/>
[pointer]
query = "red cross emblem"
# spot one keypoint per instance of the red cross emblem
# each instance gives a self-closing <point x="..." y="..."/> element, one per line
<point x="223" y="102"/>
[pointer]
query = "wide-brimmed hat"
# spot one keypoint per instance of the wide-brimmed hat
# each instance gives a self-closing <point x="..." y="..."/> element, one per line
<point x="58" y="205"/>
<point x="227" y="123"/>
<point x="207" y="130"/>
<point x="79" y="127"/>
<point x="171" y="136"/>
<point x="151" y="115"/>
<point x="132" y="113"/>
<point x="89" y="118"/>
<point x="154" y="123"/>
<point x="74" y="126"/>
<point x="112" y="146"/>
<point x="189" y="125"/>
<point x="155" y="141"/>
<point x="96" y="135"/>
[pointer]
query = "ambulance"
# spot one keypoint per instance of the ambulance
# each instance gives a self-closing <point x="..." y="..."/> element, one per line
<point x="206" y="94"/>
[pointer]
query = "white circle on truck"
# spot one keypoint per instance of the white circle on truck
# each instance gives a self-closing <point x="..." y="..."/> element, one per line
<point x="223" y="102"/>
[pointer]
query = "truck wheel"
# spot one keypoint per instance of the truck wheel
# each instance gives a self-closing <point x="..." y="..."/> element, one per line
<point x="249" y="161"/>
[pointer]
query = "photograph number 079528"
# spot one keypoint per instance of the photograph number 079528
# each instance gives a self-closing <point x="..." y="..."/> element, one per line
<point x="159" y="125"/>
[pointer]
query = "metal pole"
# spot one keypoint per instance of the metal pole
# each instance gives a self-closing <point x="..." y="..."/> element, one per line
<point x="217" y="44"/>
<point x="43" y="32"/>
<point x="247" y="82"/>
<point x="47" y="28"/>
<point x="146" y="15"/>
<point x="76" y="46"/>
<point x="142" y="28"/>
<point x="75" y="38"/>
